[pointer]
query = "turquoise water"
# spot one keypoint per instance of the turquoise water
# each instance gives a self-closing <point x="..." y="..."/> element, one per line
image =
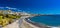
<point x="51" y="20"/>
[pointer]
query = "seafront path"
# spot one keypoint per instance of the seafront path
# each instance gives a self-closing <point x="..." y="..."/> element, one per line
<point x="17" y="23"/>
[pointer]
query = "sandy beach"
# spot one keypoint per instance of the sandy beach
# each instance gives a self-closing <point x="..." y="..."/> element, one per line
<point x="29" y="25"/>
<point x="25" y="24"/>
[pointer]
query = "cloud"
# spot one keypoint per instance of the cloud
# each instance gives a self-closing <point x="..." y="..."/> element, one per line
<point x="10" y="8"/>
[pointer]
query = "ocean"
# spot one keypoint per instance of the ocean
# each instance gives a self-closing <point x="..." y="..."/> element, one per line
<point x="50" y="20"/>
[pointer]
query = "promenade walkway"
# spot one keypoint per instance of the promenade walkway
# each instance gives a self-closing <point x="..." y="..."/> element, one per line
<point x="17" y="23"/>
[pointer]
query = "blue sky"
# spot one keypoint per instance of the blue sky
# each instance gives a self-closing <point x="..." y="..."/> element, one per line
<point x="34" y="6"/>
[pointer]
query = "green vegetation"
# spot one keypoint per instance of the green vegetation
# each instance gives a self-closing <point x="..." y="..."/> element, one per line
<point x="8" y="18"/>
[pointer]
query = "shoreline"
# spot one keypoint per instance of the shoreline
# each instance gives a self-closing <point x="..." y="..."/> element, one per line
<point x="34" y="23"/>
<point x="39" y="25"/>
<point x="29" y="24"/>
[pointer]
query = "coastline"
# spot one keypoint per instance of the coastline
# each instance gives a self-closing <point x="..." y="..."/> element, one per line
<point x="28" y="25"/>
<point x="34" y="23"/>
<point x="25" y="20"/>
<point x="38" y="25"/>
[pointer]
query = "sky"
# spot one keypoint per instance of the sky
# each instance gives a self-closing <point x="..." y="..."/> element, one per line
<point x="34" y="6"/>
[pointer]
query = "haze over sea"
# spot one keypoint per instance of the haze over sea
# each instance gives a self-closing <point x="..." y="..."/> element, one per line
<point x="34" y="6"/>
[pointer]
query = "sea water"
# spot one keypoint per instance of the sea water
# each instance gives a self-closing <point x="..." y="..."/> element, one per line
<point x="50" y="20"/>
